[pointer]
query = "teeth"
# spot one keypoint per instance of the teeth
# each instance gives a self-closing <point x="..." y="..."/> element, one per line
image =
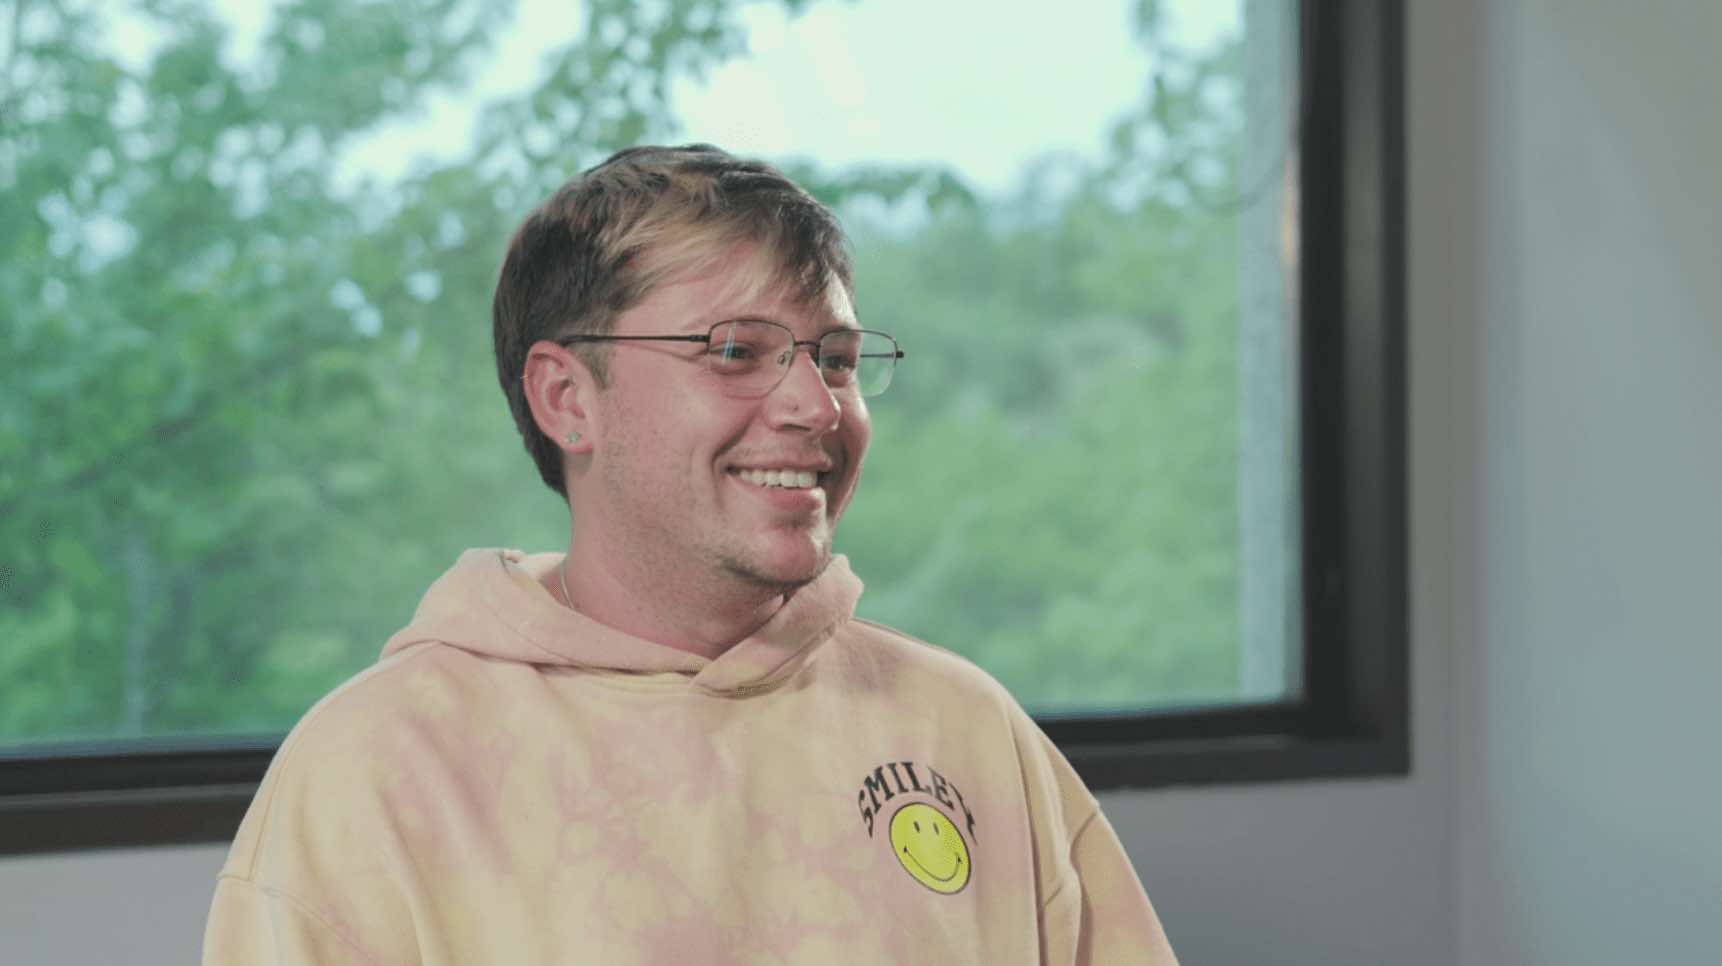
<point x="784" y="478"/>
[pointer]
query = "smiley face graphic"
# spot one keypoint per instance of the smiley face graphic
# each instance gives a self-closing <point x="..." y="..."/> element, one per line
<point x="930" y="848"/>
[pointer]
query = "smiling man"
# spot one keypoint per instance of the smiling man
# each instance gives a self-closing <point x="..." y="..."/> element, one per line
<point x="674" y="742"/>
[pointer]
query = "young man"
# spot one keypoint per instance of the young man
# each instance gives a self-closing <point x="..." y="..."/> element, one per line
<point x="675" y="743"/>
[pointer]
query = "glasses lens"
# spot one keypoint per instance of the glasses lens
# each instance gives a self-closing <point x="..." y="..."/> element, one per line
<point x="749" y="355"/>
<point x="752" y="356"/>
<point x="864" y="360"/>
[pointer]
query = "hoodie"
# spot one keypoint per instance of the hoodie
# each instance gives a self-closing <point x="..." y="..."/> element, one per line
<point x="515" y="783"/>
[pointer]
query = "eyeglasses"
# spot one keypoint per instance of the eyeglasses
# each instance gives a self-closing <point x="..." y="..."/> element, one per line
<point x="751" y="356"/>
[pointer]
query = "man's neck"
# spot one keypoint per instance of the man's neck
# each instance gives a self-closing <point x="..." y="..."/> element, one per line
<point x="703" y="615"/>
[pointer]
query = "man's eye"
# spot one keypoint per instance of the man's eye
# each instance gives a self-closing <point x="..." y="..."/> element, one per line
<point x="838" y="362"/>
<point x="733" y="353"/>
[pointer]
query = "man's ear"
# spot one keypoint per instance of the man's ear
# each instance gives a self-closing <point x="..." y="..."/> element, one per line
<point x="562" y="395"/>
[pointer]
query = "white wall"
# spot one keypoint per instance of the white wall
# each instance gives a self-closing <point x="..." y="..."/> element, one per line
<point x="140" y="907"/>
<point x="1589" y="797"/>
<point x="1566" y="409"/>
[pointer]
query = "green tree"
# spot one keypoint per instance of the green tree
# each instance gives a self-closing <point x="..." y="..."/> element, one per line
<point x="247" y="414"/>
<point x="1065" y="437"/>
<point x="235" y="381"/>
<point x="1058" y="496"/>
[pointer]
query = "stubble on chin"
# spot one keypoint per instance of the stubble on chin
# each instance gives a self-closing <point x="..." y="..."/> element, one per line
<point x="777" y="583"/>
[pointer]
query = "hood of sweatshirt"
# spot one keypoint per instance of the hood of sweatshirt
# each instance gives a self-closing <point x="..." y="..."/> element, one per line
<point x="491" y="603"/>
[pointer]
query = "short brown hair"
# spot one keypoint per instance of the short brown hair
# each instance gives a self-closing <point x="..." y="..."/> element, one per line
<point x="606" y="239"/>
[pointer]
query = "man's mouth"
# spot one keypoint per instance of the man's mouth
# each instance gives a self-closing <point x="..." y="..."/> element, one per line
<point x="780" y="479"/>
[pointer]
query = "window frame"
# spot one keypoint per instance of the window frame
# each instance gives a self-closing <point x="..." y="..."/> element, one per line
<point x="1353" y="720"/>
<point x="1354" y="717"/>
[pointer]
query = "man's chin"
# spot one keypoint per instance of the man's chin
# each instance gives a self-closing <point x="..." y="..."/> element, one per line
<point x="785" y="572"/>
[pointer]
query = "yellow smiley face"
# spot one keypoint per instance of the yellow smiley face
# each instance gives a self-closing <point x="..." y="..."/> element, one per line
<point x="930" y="848"/>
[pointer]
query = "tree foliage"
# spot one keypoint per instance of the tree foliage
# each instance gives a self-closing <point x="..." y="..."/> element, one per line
<point x="248" y="414"/>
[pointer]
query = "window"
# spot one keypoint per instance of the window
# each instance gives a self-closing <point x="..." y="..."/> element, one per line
<point x="1147" y="273"/>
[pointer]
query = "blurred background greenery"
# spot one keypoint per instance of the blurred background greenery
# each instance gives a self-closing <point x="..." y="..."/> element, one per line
<point x="247" y="415"/>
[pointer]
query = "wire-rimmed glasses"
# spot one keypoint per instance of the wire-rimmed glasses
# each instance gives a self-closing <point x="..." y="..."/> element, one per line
<point x="751" y="356"/>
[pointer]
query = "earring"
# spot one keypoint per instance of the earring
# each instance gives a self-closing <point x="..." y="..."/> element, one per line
<point x="573" y="438"/>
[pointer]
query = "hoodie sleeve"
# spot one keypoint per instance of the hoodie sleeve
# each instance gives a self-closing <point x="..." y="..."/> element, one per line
<point x="316" y="872"/>
<point x="250" y="925"/>
<point x="1101" y="915"/>
<point x="1093" y="909"/>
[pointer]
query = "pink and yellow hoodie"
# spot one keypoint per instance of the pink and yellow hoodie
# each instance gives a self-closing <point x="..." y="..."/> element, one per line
<point x="514" y="783"/>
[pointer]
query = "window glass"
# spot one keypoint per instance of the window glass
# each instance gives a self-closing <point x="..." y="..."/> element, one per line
<point x="249" y="409"/>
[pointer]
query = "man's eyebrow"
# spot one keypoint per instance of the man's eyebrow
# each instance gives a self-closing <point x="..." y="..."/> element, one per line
<point x="764" y="317"/>
<point x="703" y="323"/>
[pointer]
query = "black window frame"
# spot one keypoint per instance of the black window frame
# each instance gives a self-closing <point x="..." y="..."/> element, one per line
<point x="1352" y="720"/>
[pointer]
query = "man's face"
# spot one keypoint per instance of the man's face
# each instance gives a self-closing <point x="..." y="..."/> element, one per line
<point x="667" y="495"/>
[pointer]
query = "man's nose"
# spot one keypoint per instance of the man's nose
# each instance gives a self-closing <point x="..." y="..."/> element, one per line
<point x="810" y="349"/>
<point x="797" y="384"/>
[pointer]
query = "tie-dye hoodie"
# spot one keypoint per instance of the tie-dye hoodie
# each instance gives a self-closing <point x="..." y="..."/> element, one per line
<point x="515" y="784"/>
